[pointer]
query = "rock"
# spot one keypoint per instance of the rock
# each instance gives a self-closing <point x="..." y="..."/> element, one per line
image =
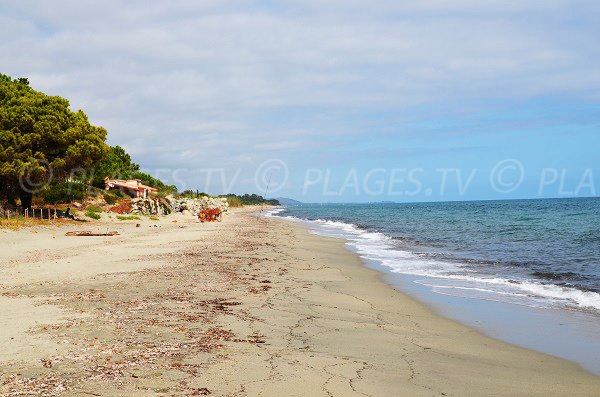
<point x="150" y="206"/>
<point x="184" y="205"/>
<point x="195" y="205"/>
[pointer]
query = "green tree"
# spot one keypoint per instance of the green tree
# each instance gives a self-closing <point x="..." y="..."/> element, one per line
<point x="117" y="165"/>
<point x="40" y="139"/>
<point x="248" y="199"/>
<point x="149" y="180"/>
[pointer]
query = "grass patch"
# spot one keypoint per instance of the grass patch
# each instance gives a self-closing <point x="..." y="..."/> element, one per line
<point x="93" y="208"/>
<point x="92" y="214"/>
<point x="18" y="222"/>
<point x="110" y="199"/>
<point x="128" y="217"/>
<point x="153" y="218"/>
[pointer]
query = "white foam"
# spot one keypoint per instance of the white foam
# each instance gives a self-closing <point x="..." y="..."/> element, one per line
<point x="378" y="247"/>
<point x="273" y="212"/>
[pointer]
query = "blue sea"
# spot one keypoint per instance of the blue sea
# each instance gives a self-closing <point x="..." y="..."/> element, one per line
<point x="507" y="267"/>
<point x="543" y="253"/>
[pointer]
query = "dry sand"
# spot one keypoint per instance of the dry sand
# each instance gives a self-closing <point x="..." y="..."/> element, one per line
<point x="247" y="307"/>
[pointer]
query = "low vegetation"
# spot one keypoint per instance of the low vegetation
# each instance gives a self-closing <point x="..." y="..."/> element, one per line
<point x="128" y="217"/>
<point x="111" y="198"/>
<point x="248" y="199"/>
<point x="93" y="215"/>
<point x="93" y="208"/>
<point x="61" y="192"/>
<point x="18" y="222"/>
<point x="93" y="212"/>
<point x="234" y="200"/>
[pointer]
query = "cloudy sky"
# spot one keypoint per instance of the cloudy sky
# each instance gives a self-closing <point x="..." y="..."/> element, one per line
<point x="330" y="100"/>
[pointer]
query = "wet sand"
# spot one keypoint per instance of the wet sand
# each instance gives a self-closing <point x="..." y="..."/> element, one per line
<point x="247" y="307"/>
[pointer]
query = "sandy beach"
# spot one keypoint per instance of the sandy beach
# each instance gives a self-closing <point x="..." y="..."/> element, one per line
<point x="251" y="306"/>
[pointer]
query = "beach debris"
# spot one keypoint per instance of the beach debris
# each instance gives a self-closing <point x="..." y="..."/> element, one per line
<point x="130" y="334"/>
<point x="123" y="207"/>
<point x="50" y="385"/>
<point x="210" y="215"/>
<point x="258" y="290"/>
<point x="203" y="391"/>
<point x="87" y="233"/>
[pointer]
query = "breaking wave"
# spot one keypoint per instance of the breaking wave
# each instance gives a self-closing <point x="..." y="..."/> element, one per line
<point x="452" y="277"/>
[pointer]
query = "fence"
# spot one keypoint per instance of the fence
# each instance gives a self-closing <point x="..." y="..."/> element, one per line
<point x="36" y="213"/>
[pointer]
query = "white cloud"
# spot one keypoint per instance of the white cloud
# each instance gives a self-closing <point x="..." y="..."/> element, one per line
<point x="209" y="79"/>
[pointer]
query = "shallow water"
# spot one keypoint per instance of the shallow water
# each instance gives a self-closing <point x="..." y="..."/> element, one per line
<point x="541" y="253"/>
<point x="524" y="271"/>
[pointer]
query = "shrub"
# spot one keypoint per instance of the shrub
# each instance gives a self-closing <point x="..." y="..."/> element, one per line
<point x="94" y="191"/>
<point x="110" y="198"/>
<point x="60" y="192"/>
<point x="248" y="199"/>
<point x="192" y="194"/>
<point x="128" y="218"/>
<point x="93" y="208"/>
<point x="93" y="215"/>
<point x="15" y="223"/>
<point x="149" y="180"/>
<point x="234" y="201"/>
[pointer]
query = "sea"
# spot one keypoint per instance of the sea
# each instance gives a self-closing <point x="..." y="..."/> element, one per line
<point x="531" y="263"/>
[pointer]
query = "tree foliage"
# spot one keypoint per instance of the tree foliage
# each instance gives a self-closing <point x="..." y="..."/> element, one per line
<point x="41" y="138"/>
<point x="116" y="165"/>
<point x="149" y="180"/>
<point x="119" y="165"/>
<point x="250" y="199"/>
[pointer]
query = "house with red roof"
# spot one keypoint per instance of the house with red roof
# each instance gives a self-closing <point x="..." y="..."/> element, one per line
<point x="133" y="187"/>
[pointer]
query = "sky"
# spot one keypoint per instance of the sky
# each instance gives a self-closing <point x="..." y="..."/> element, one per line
<point x="343" y="101"/>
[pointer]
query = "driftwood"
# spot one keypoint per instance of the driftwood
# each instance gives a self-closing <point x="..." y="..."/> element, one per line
<point x="88" y="233"/>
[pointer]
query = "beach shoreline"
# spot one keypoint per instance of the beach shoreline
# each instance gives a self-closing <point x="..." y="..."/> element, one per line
<point x="250" y="306"/>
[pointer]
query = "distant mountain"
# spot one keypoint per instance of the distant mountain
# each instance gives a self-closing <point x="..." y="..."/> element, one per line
<point x="288" y="201"/>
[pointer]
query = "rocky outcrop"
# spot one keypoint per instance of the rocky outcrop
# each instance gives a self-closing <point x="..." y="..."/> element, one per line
<point x="150" y="206"/>
<point x="165" y="206"/>
<point x="193" y="206"/>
